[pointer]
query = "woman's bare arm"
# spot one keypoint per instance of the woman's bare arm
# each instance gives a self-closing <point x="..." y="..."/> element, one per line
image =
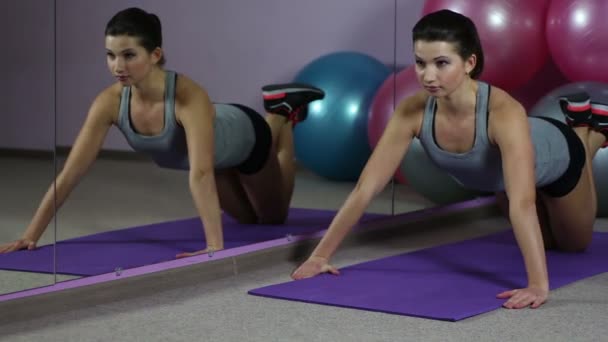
<point x="378" y="171"/>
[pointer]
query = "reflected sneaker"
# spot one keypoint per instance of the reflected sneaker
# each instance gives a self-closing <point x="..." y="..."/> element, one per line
<point x="577" y="109"/>
<point x="290" y="100"/>
<point x="599" y="116"/>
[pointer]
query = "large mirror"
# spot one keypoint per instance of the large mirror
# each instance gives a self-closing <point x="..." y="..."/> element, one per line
<point x="27" y="136"/>
<point x="127" y="211"/>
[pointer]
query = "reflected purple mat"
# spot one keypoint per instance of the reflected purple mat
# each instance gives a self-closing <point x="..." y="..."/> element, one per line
<point x="450" y="282"/>
<point x="133" y="247"/>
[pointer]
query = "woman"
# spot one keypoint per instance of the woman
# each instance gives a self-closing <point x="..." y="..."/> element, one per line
<point x="482" y="136"/>
<point x="233" y="155"/>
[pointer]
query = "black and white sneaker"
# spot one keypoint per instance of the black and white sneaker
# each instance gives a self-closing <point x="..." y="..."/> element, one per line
<point x="291" y="99"/>
<point x="599" y="116"/>
<point x="577" y="109"/>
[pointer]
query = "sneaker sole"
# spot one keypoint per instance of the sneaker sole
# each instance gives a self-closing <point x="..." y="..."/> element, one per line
<point x="600" y="111"/>
<point x="280" y="90"/>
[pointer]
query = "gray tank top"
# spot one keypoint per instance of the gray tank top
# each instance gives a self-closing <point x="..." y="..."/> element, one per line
<point x="481" y="167"/>
<point x="234" y="135"/>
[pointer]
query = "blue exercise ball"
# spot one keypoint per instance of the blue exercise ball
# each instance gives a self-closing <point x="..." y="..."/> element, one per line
<point x="333" y="142"/>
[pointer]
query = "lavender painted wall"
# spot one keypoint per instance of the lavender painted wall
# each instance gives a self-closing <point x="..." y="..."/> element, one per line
<point x="232" y="47"/>
<point x="26" y="90"/>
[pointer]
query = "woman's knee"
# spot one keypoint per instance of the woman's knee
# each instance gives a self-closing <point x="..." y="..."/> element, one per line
<point x="272" y="220"/>
<point x="573" y="247"/>
<point x="244" y="217"/>
<point x="278" y="216"/>
<point x="574" y="244"/>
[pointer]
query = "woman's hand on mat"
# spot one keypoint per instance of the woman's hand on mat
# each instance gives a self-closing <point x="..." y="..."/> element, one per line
<point x="312" y="267"/>
<point x="17" y="245"/>
<point x="204" y="251"/>
<point x="522" y="298"/>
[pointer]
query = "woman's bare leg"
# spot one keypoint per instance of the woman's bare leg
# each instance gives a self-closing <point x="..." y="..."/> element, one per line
<point x="286" y="156"/>
<point x="572" y="216"/>
<point x="271" y="188"/>
<point x="233" y="197"/>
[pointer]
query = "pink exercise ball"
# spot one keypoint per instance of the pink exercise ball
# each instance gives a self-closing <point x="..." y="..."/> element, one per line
<point x="578" y="40"/>
<point x="393" y="90"/>
<point x="512" y="34"/>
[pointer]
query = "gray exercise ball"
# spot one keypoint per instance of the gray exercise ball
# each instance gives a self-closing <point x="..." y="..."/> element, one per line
<point x="548" y="106"/>
<point x="429" y="180"/>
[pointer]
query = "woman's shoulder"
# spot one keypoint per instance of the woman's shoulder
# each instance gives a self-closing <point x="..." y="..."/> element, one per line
<point x="112" y="92"/>
<point x="107" y="101"/>
<point x="410" y="111"/>
<point x="413" y="105"/>
<point x="503" y="109"/>
<point x="189" y="94"/>
<point x="186" y="88"/>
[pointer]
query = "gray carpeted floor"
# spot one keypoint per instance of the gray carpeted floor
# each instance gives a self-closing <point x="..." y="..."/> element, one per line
<point x="210" y="303"/>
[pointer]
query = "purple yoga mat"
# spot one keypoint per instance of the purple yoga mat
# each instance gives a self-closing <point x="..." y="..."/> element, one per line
<point x="450" y="282"/>
<point x="133" y="247"/>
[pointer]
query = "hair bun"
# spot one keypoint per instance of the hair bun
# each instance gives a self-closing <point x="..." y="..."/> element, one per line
<point x="155" y="18"/>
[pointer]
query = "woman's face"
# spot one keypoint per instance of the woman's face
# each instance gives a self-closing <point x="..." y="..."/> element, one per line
<point x="439" y="68"/>
<point x="128" y="61"/>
